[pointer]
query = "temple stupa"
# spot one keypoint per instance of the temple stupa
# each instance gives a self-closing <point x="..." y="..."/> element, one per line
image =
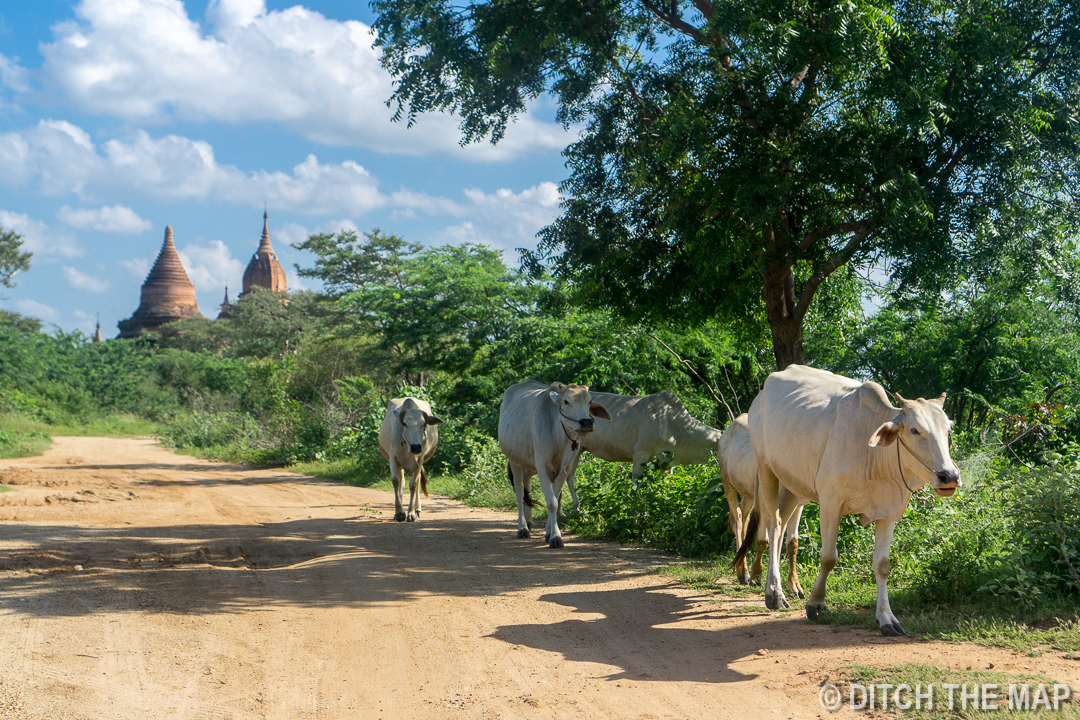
<point x="265" y="270"/>
<point x="167" y="294"/>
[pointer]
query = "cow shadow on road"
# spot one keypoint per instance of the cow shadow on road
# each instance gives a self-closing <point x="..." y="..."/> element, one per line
<point x="655" y="634"/>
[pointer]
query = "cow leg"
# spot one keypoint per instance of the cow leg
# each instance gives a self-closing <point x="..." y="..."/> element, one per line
<point x="830" y="528"/>
<point x="759" y="552"/>
<point x="521" y="481"/>
<point x="552" y="534"/>
<point x="397" y="477"/>
<point x="767" y="503"/>
<point x="414" y="495"/>
<point x="791" y="545"/>
<point x="883" y="532"/>
<point x="735" y="522"/>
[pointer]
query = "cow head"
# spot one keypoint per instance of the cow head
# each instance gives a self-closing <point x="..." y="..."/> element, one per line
<point x="923" y="429"/>
<point x="414" y="423"/>
<point x="576" y="408"/>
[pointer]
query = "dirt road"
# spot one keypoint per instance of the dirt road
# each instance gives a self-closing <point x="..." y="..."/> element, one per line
<point x="136" y="583"/>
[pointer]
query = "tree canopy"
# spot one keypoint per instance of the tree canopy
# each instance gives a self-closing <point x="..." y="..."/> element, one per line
<point x="734" y="155"/>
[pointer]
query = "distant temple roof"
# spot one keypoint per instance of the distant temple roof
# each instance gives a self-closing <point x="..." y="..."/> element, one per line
<point x="265" y="270"/>
<point x="167" y="294"/>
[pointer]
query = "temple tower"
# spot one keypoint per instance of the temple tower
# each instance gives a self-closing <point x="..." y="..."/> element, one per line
<point x="265" y="270"/>
<point x="167" y="294"/>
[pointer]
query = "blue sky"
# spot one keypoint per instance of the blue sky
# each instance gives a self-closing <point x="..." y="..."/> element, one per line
<point x="119" y="117"/>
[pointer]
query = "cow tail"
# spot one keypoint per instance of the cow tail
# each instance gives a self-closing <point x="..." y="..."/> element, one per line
<point x="528" y="499"/>
<point x="749" y="536"/>
<point x="423" y="481"/>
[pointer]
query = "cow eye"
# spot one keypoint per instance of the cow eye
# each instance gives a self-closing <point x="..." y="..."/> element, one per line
<point x="914" y="431"/>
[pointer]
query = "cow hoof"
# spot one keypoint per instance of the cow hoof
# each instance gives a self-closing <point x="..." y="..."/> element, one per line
<point x="555" y="542"/>
<point x="412" y="518"/>
<point x="813" y="610"/>
<point x="421" y="512"/>
<point x="400" y="517"/>
<point x="744" y="579"/>
<point x="799" y="592"/>
<point x="547" y="537"/>
<point x="893" y="630"/>
<point x="775" y="602"/>
<point x="523" y="532"/>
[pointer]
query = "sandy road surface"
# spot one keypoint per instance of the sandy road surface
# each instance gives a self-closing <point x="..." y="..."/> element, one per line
<point x="135" y="583"/>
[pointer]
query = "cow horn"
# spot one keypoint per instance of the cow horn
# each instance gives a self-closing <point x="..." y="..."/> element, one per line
<point x="939" y="401"/>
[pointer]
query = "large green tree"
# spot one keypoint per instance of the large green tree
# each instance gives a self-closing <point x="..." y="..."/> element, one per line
<point x="735" y="154"/>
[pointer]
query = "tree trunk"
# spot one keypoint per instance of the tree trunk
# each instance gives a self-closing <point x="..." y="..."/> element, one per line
<point x="784" y="321"/>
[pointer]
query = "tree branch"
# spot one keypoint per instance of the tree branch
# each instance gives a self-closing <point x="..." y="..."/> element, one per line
<point x="813" y="236"/>
<point x="690" y="368"/>
<point x="706" y="7"/>
<point x="675" y="22"/>
<point x="838" y="259"/>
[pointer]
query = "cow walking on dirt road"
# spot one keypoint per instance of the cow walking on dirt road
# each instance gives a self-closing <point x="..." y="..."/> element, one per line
<point x="738" y="472"/>
<point x="540" y="431"/>
<point x="825" y="438"/>
<point x="407" y="439"/>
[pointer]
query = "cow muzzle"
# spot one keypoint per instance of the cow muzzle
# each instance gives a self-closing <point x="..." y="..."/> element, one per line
<point x="946" y="482"/>
<point x="585" y="425"/>
<point x="416" y="448"/>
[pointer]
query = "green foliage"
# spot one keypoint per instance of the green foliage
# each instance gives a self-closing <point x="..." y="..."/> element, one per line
<point x="12" y="258"/>
<point x="680" y="511"/>
<point x="735" y="155"/>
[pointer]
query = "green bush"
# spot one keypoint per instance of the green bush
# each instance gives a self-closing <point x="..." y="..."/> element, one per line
<point x="683" y="511"/>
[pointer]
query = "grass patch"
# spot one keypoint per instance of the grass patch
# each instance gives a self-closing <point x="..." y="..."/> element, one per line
<point x="117" y="425"/>
<point x="926" y="676"/>
<point x="852" y="600"/>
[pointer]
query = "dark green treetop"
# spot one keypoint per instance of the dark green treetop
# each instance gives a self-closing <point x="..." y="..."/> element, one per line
<point x="734" y="155"/>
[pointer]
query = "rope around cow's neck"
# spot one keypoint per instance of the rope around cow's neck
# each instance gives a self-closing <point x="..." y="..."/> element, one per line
<point x="900" y="465"/>
<point x="573" y="442"/>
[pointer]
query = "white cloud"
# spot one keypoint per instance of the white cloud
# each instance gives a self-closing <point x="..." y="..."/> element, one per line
<point x="138" y="268"/>
<point x="13" y="75"/>
<point x="32" y="308"/>
<point x="63" y="159"/>
<point x="110" y="219"/>
<point x="81" y="281"/>
<point x="39" y="238"/>
<point x="148" y="61"/>
<point x="212" y="266"/>
<point x="505" y="219"/>
<point x="85" y="321"/>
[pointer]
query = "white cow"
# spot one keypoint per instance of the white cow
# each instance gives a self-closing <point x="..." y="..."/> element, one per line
<point x="738" y="471"/>
<point x="407" y="439"/>
<point x="644" y="426"/>
<point x="825" y="438"/>
<point x="540" y="431"/>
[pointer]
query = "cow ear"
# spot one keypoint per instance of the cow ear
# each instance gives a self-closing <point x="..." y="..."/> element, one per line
<point x="555" y="397"/>
<point x="939" y="401"/>
<point x="396" y="411"/>
<point x="432" y="420"/>
<point x="599" y="411"/>
<point x="884" y="435"/>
